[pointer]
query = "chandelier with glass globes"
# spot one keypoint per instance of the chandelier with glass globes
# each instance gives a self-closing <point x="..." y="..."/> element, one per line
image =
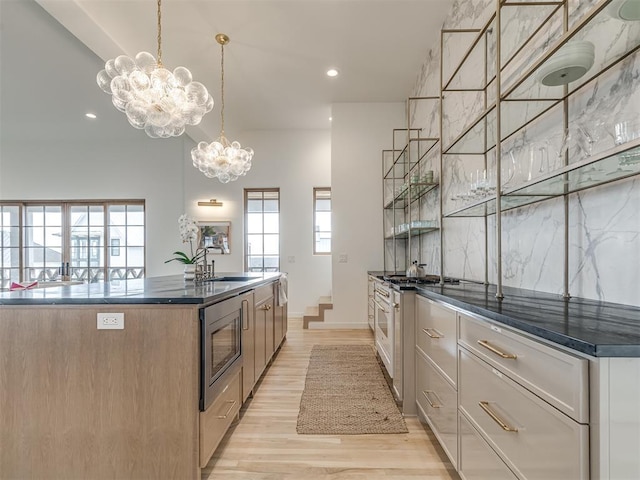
<point x="222" y="159"/>
<point x="155" y="99"/>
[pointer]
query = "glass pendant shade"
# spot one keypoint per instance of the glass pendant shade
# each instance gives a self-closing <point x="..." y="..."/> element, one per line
<point x="222" y="159"/>
<point x="154" y="99"/>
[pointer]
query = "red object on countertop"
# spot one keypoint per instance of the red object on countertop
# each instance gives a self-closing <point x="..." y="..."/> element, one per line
<point x="22" y="286"/>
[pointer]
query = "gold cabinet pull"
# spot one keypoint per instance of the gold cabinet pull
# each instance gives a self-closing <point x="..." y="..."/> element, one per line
<point x="233" y="404"/>
<point x="428" y="331"/>
<point x="491" y="348"/>
<point x="265" y="307"/>
<point x="426" y="395"/>
<point x="396" y="305"/>
<point x="485" y="406"/>
<point x="245" y="314"/>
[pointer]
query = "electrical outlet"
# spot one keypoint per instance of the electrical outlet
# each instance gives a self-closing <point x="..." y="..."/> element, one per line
<point x="111" y="321"/>
<point x="343" y="258"/>
<point x="291" y="259"/>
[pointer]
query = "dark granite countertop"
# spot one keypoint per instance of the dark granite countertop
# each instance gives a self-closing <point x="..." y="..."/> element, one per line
<point x="596" y="328"/>
<point x="171" y="289"/>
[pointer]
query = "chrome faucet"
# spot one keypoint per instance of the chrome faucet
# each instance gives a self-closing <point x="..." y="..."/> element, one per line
<point x="204" y="271"/>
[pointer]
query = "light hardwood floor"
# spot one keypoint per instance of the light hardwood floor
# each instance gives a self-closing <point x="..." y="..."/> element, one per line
<point x="264" y="445"/>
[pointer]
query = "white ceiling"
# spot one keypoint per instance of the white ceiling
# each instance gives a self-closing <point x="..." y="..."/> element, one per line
<point x="279" y="52"/>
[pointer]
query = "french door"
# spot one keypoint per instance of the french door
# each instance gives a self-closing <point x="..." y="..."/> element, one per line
<point x="77" y="241"/>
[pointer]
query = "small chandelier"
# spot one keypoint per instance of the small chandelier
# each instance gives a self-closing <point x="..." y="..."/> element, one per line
<point x="223" y="159"/>
<point x="155" y="99"/>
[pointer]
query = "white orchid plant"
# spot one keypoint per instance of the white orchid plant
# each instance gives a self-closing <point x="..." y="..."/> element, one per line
<point x="189" y="232"/>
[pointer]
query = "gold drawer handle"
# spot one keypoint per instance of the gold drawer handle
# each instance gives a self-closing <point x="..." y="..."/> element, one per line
<point x="432" y="335"/>
<point x="265" y="307"/>
<point x="491" y="348"/>
<point x="426" y="395"/>
<point x="233" y="404"/>
<point x="485" y="406"/>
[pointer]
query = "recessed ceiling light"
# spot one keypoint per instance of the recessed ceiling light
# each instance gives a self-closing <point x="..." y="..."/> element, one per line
<point x="90" y="115"/>
<point x="332" y="72"/>
<point x="330" y="118"/>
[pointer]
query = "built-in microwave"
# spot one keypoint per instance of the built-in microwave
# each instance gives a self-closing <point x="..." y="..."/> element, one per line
<point x="220" y="334"/>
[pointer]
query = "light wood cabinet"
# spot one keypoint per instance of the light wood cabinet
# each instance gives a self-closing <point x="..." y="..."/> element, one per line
<point x="280" y="318"/>
<point x="264" y="316"/>
<point x="215" y="421"/>
<point x="248" y="345"/>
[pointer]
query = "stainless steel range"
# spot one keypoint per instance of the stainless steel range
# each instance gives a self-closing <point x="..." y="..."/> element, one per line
<point x="384" y="324"/>
<point x="395" y="333"/>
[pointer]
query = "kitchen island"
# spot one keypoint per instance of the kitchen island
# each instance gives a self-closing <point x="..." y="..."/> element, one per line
<point x="83" y="400"/>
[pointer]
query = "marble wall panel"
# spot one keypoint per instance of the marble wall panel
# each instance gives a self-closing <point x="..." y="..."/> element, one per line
<point x="604" y="223"/>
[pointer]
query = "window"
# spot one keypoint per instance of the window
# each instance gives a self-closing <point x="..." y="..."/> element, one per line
<point x="262" y="229"/>
<point x="322" y="221"/>
<point x="53" y="241"/>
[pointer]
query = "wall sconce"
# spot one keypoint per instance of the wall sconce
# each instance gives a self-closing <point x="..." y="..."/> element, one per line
<point x="211" y="203"/>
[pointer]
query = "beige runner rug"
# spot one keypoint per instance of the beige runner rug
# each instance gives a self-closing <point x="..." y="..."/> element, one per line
<point x="345" y="393"/>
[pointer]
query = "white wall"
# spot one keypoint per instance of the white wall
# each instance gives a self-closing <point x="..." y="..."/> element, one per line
<point x="359" y="133"/>
<point x="50" y="151"/>
<point x="295" y="162"/>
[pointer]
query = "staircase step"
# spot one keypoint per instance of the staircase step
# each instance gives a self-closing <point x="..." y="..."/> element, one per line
<point x="316" y="314"/>
<point x="325" y="303"/>
<point x="311" y="312"/>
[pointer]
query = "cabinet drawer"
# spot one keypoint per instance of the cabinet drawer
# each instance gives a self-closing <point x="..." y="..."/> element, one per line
<point x="215" y="421"/>
<point x="436" y="335"/>
<point x="478" y="461"/>
<point x="536" y="440"/>
<point x="438" y="402"/>
<point x="262" y="293"/>
<point x="558" y="377"/>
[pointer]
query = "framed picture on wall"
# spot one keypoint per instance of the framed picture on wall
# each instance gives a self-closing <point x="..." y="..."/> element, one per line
<point x="214" y="236"/>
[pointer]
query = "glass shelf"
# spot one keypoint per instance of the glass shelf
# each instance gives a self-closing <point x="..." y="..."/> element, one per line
<point x="418" y="190"/>
<point x="477" y="48"/>
<point x="609" y="166"/>
<point x="428" y="226"/>
<point x="479" y="136"/>
<point x="597" y="24"/>
<point x="398" y="161"/>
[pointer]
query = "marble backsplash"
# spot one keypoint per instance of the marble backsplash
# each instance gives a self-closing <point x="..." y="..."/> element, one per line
<point x="604" y="222"/>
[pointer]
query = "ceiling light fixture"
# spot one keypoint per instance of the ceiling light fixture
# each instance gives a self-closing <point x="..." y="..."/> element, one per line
<point x="92" y="116"/>
<point x="211" y="203"/>
<point x="222" y="159"/>
<point x="155" y="99"/>
<point x="332" y="72"/>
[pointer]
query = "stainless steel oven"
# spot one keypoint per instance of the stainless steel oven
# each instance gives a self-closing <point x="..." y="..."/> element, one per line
<point x="384" y="326"/>
<point x="220" y="328"/>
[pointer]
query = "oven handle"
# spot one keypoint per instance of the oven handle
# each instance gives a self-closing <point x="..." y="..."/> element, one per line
<point x="381" y="307"/>
<point x="382" y="292"/>
<point x="245" y="314"/>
